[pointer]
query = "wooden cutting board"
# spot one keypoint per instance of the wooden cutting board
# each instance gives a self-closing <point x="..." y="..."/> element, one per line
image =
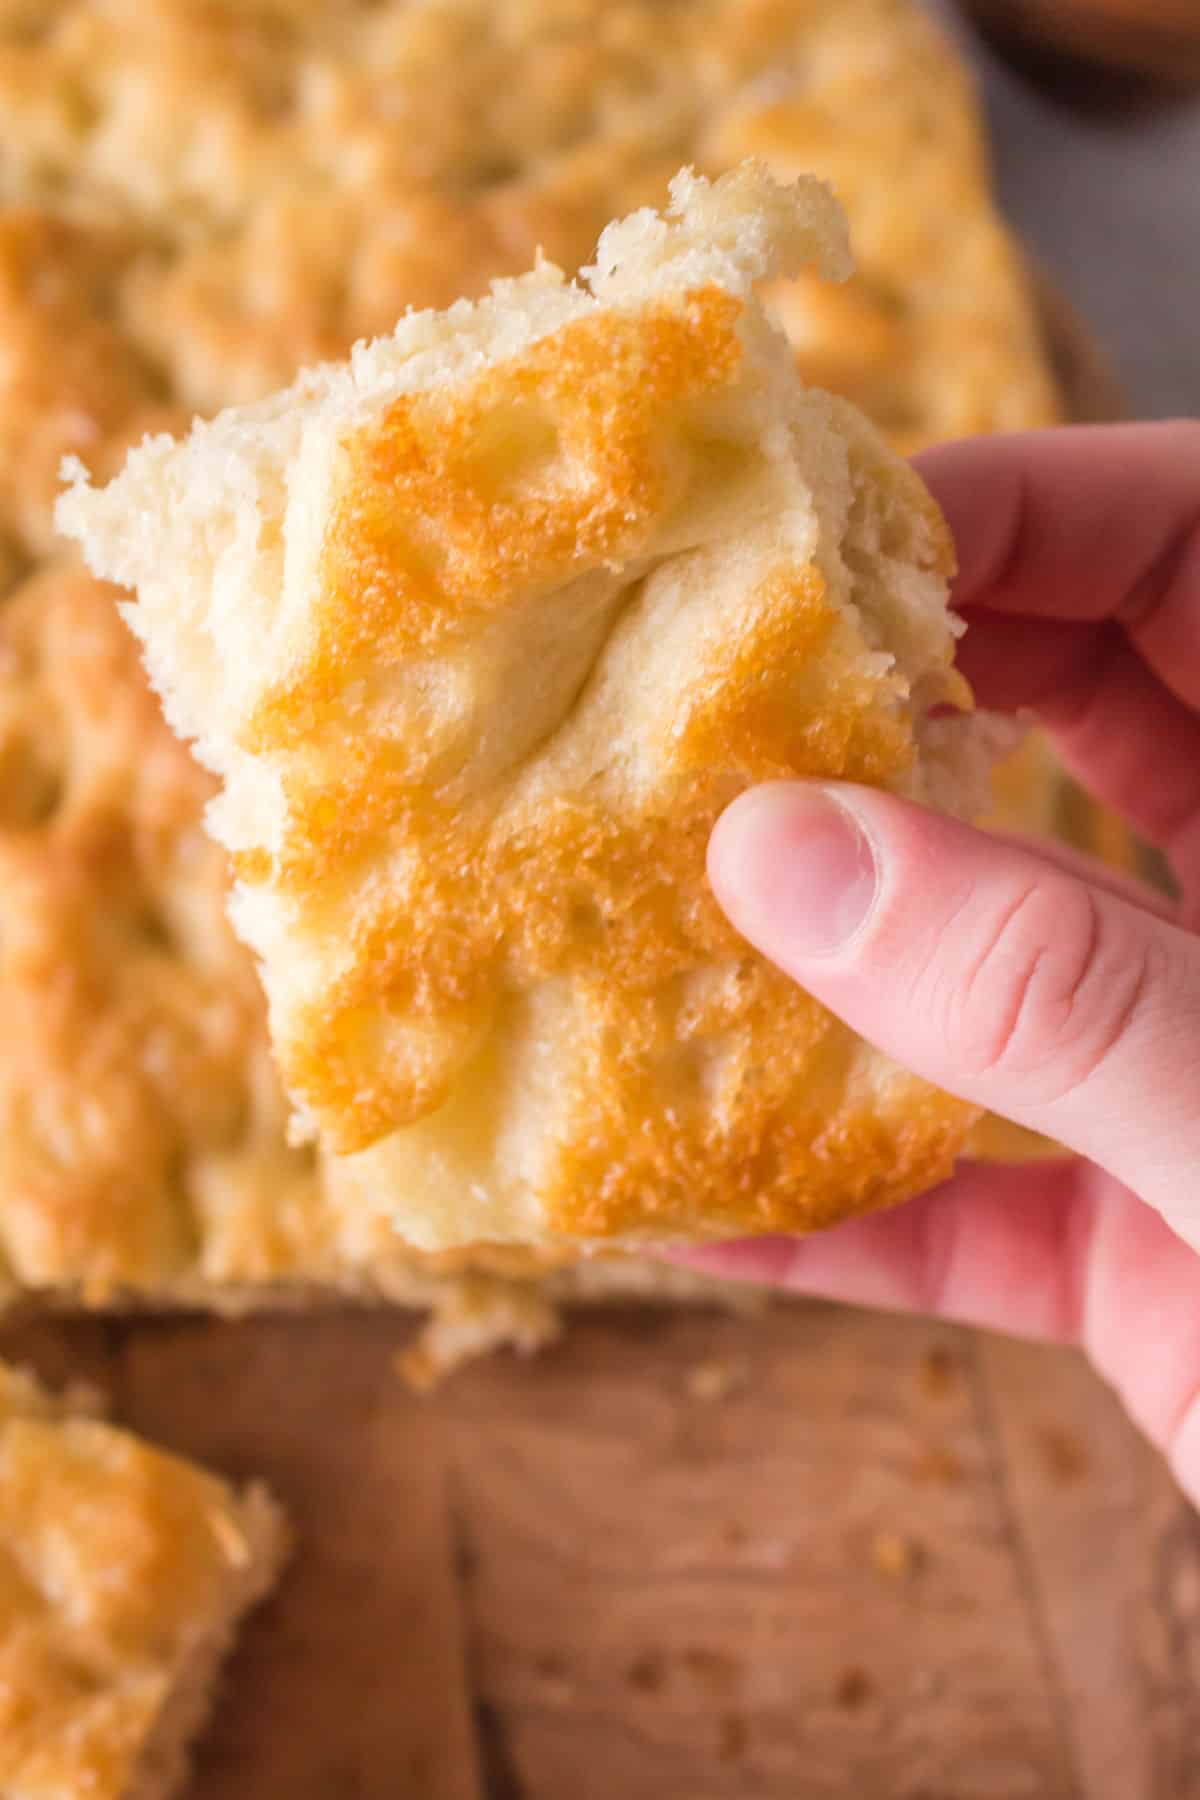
<point x="687" y="1556"/>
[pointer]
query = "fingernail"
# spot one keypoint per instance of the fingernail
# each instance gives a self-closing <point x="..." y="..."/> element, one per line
<point x="793" y="870"/>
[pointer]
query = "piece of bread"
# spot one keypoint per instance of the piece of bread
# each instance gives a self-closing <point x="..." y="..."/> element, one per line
<point x="123" y="1575"/>
<point x="193" y="201"/>
<point x="480" y="632"/>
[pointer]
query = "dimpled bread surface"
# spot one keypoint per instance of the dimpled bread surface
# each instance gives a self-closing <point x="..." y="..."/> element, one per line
<point x="480" y="631"/>
<point x="193" y="202"/>
<point x="123" y="1574"/>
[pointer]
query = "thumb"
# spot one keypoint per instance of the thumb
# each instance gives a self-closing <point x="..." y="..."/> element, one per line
<point x="984" y="968"/>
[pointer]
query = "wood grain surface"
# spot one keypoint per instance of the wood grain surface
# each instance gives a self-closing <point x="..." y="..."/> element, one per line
<point x="816" y="1553"/>
<point x="685" y="1556"/>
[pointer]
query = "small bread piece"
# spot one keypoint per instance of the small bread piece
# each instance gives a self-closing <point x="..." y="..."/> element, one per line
<point x="481" y="631"/>
<point x="123" y="1574"/>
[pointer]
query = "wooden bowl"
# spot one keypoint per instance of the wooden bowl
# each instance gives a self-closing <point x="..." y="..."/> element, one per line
<point x="1157" y="40"/>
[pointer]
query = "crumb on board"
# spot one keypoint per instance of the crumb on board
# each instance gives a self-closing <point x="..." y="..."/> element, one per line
<point x="939" y="1372"/>
<point x="718" y="1377"/>
<point x="853" y="1689"/>
<point x="473" y="1318"/>
<point x="939" y="1466"/>
<point x="895" y="1555"/>
<point x="732" y="1738"/>
<point x="1063" y="1456"/>
<point x="235" y="1545"/>
<point x="647" y="1673"/>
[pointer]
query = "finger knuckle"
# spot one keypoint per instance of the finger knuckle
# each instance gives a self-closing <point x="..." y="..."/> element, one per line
<point x="1052" y="989"/>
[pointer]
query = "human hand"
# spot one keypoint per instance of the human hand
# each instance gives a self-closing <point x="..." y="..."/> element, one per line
<point x="1045" y="988"/>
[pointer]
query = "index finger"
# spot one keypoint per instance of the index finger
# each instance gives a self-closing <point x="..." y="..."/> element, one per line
<point x="1084" y="525"/>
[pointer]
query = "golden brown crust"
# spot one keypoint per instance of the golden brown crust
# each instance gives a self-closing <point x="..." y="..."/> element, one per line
<point x="602" y="407"/>
<point x="444" y="508"/>
<point x="121" y="1570"/>
<point x="130" y="1021"/>
<point x="592" y="890"/>
<point x="340" y="179"/>
<point x="516" y="636"/>
<point x="741" y="1145"/>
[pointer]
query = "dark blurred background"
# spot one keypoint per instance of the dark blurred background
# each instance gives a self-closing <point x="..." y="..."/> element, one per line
<point x="1101" y="177"/>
